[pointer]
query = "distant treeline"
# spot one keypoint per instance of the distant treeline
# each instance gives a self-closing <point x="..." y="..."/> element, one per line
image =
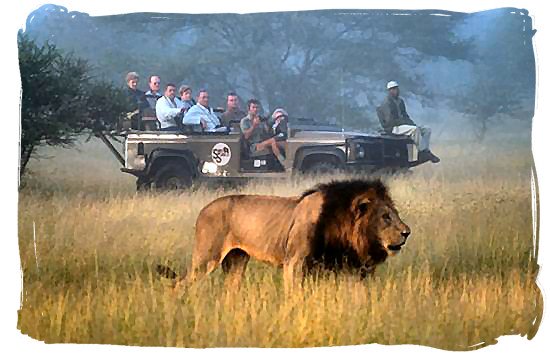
<point x="328" y="65"/>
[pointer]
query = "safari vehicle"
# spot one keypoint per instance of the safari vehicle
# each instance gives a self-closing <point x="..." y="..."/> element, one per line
<point x="175" y="160"/>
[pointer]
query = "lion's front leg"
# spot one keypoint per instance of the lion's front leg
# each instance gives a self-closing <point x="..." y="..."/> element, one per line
<point x="293" y="274"/>
<point x="366" y="271"/>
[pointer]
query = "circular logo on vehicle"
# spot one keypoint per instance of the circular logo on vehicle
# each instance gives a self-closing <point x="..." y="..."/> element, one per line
<point x="221" y="154"/>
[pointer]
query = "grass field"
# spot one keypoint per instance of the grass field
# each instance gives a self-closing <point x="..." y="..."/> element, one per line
<point x="465" y="277"/>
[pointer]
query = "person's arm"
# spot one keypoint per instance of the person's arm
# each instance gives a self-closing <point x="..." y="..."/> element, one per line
<point x="282" y="129"/>
<point x="166" y="112"/>
<point x="247" y="127"/>
<point x="215" y="118"/>
<point x="405" y="114"/>
<point x="384" y="115"/>
<point x="192" y="116"/>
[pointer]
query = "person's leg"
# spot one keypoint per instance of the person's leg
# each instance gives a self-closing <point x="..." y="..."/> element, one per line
<point x="271" y="143"/>
<point x="412" y="132"/>
<point x="425" y="145"/>
<point x="282" y="147"/>
<point x="425" y="138"/>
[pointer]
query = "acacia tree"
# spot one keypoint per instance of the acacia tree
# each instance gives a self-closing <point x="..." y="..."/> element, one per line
<point x="60" y="100"/>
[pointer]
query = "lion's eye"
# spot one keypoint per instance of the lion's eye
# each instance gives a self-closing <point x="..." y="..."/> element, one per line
<point x="386" y="217"/>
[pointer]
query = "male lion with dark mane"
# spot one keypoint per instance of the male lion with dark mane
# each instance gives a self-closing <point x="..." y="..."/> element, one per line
<point x="348" y="223"/>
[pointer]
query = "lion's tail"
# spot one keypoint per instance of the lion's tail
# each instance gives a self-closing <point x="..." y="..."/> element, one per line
<point x="166" y="272"/>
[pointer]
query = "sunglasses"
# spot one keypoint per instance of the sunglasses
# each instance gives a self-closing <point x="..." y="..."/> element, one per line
<point x="278" y="117"/>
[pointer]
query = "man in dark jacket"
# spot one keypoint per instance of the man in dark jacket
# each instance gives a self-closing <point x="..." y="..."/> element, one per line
<point x="137" y="97"/>
<point x="153" y="94"/>
<point x="395" y="120"/>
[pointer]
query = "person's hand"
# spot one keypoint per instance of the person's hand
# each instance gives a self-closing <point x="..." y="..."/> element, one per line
<point x="256" y="121"/>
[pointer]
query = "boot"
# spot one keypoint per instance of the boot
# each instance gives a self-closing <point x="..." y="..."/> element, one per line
<point x="433" y="158"/>
<point x="427" y="155"/>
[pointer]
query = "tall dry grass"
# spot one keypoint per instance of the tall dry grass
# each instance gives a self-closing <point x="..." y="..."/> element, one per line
<point x="465" y="277"/>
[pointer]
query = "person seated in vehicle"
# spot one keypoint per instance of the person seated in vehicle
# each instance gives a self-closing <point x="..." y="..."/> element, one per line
<point x="168" y="113"/>
<point x="132" y="79"/>
<point x="395" y="120"/>
<point x="185" y="100"/>
<point x="153" y="94"/>
<point x="279" y="124"/>
<point x="137" y="98"/>
<point x="233" y="113"/>
<point x="254" y="130"/>
<point x="202" y="114"/>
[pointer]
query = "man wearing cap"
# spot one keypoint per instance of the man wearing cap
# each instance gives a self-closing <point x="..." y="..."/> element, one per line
<point x="395" y="120"/>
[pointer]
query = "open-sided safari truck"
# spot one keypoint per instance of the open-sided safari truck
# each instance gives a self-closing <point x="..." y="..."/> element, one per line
<point x="175" y="160"/>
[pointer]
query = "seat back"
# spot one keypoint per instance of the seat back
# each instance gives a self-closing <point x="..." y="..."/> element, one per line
<point x="191" y="128"/>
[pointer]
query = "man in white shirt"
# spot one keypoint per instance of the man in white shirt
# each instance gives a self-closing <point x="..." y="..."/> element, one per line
<point x="202" y="114"/>
<point x="167" y="110"/>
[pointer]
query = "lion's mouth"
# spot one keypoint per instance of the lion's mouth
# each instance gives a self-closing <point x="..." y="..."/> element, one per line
<point x="396" y="248"/>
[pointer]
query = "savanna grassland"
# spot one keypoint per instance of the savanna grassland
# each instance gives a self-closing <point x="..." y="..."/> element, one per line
<point x="465" y="277"/>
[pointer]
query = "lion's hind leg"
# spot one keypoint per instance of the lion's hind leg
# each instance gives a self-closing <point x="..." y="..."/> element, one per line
<point x="234" y="266"/>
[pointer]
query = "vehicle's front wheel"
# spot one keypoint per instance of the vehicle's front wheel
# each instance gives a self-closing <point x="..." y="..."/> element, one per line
<point x="143" y="185"/>
<point x="172" y="177"/>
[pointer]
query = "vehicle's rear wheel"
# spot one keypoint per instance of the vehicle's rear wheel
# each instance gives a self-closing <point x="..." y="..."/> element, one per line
<point x="172" y="177"/>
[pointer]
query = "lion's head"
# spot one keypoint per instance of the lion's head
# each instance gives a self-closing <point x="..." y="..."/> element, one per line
<point x="359" y="217"/>
<point x="377" y="220"/>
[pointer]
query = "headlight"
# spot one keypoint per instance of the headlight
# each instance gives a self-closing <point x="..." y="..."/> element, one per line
<point x="139" y="162"/>
<point x="359" y="151"/>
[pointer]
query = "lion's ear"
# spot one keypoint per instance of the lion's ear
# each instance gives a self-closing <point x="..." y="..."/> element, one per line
<point x="363" y="207"/>
<point x="361" y="204"/>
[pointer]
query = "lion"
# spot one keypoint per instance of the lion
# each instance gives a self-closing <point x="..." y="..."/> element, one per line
<point x="342" y="223"/>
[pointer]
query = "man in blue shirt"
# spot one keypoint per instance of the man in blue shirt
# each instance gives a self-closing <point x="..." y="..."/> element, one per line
<point x="167" y="110"/>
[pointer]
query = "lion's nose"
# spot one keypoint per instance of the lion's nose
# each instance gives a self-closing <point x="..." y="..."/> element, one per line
<point x="406" y="233"/>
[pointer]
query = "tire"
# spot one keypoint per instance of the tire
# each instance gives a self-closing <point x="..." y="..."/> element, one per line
<point x="143" y="185"/>
<point x="172" y="177"/>
<point x="322" y="168"/>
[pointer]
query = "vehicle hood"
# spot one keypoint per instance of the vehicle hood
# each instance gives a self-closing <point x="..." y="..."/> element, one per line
<point x="329" y="136"/>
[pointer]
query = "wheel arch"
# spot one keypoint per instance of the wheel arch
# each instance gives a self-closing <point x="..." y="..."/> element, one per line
<point x="306" y="156"/>
<point x="161" y="157"/>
